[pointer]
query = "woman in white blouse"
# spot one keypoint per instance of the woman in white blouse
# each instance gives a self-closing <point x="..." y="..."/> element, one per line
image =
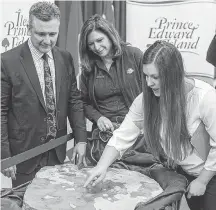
<point x="178" y="117"/>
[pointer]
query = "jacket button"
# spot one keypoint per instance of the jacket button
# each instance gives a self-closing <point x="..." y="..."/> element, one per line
<point x="42" y="138"/>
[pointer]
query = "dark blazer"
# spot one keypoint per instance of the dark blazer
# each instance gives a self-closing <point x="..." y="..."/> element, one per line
<point x="23" y="110"/>
<point x="129" y="69"/>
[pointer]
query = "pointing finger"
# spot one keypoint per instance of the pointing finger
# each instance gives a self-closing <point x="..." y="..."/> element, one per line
<point x="90" y="179"/>
<point x="99" y="179"/>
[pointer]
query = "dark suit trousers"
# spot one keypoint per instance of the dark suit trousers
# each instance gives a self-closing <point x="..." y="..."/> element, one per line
<point x="48" y="159"/>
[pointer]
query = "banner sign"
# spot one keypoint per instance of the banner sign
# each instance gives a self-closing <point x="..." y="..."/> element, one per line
<point x="15" y="15"/>
<point x="189" y="25"/>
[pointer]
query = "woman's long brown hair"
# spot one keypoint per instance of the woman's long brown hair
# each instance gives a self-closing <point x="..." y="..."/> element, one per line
<point x="165" y="116"/>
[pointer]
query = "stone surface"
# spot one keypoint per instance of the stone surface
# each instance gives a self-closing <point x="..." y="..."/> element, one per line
<point x="61" y="188"/>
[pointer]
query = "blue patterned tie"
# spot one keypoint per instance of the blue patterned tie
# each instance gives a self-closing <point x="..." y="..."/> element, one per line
<point x="50" y="100"/>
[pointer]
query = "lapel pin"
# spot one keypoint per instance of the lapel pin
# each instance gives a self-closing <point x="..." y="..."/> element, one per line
<point x="130" y="71"/>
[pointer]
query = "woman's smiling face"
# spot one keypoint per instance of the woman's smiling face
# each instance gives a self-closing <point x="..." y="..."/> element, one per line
<point x="99" y="43"/>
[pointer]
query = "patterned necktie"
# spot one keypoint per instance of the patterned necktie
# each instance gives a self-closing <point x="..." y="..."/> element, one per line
<point x="50" y="100"/>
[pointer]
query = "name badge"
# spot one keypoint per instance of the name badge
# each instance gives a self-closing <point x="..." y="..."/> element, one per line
<point x="99" y="77"/>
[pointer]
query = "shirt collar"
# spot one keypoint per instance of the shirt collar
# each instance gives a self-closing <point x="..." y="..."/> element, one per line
<point x="100" y="64"/>
<point x="36" y="53"/>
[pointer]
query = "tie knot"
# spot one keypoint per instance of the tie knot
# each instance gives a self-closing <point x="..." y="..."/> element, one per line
<point x="45" y="57"/>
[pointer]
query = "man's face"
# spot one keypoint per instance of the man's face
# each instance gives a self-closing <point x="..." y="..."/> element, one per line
<point x="44" y="34"/>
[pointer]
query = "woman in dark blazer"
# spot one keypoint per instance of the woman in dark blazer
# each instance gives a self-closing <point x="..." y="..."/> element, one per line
<point x="110" y="79"/>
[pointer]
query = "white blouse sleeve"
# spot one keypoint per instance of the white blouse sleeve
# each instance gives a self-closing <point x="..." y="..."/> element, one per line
<point x="125" y="136"/>
<point x="208" y="116"/>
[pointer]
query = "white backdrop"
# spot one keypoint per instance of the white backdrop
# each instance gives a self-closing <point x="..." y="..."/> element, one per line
<point x="14" y="22"/>
<point x="189" y="25"/>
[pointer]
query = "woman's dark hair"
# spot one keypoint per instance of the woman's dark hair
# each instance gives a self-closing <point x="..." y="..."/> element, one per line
<point x="96" y="22"/>
<point x="165" y="117"/>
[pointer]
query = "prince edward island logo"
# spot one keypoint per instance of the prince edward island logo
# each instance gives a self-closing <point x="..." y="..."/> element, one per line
<point x="5" y="43"/>
<point x="15" y="31"/>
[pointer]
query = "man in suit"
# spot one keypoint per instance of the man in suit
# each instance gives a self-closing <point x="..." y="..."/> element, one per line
<point x="38" y="93"/>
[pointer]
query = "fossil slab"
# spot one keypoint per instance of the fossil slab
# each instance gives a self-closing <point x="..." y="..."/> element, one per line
<point x="61" y="188"/>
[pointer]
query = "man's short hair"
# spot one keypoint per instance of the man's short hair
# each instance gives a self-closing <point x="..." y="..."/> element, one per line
<point x="44" y="11"/>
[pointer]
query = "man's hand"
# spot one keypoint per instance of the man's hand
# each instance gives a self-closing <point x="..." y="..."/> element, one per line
<point x="79" y="152"/>
<point x="10" y="172"/>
